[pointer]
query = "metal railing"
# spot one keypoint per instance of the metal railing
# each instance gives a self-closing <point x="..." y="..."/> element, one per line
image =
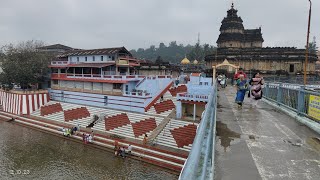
<point x="192" y="97"/>
<point x="293" y="97"/>
<point x="200" y="162"/>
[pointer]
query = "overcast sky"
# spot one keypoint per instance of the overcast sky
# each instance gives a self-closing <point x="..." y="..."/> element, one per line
<point x="140" y="23"/>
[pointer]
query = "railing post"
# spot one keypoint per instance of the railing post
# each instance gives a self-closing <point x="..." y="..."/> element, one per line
<point x="279" y="95"/>
<point x="301" y="101"/>
<point x="267" y="90"/>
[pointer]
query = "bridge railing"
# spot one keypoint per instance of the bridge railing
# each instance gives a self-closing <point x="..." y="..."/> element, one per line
<point x="297" y="98"/>
<point x="200" y="162"/>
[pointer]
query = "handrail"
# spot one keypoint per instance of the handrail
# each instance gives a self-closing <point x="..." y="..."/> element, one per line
<point x="200" y="162"/>
<point x="140" y="82"/>
<point x="158" y="96"/>
<point x="297" y="99"/>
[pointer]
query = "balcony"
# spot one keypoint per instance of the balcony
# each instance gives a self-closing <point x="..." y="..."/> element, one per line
<point x="97" y="76"/>
<point x="192" y="97"/>
<point x="137" y="94"/>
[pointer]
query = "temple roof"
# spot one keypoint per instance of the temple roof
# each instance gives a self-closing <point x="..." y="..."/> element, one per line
<point x="57" y="46"/>
<point x="267" y="53"/>
<point x="96" y="52"/>
<point x="251" y="35"/>
<point x="237" y="32"/>
<point x="185" y="61"/>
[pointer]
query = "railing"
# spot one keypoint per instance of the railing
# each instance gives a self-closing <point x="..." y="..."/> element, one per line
<point x="200" y="162"/>
<point x="141" y="82"/>
<point x="156" y="97"/>
<point x="300" y="99"/>
<point x="192" y="97"/>
<point x="138" y="94"/>
<point x="59" y="62"/>
<point x="112" y="77"/>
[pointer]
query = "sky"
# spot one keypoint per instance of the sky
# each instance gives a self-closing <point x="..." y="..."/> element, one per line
<point x="90" y="24"/>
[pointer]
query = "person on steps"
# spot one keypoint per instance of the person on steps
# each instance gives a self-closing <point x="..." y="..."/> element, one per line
<point x="145" y="139"/>
<point x="129" y="149"/>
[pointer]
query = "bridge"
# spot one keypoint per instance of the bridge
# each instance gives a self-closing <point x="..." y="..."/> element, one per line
<point x="279" y="139"/>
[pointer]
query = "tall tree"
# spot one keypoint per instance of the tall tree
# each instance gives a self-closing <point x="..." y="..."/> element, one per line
<point x="24" y="64"/>
<point x="313" y="46"/>
<point x="174" y="53"/>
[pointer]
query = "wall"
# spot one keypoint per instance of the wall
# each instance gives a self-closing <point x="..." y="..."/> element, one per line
<point x="20" y="104"/>
<point x="106" y="58"/>
<point x="268" y="65"/>
<point x="135" y="104"/>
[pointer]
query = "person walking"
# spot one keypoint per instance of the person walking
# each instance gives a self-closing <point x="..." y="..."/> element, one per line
<point x="256" y="83"/>
<point x="242" y="87"/>
<point x="237" y="75"/>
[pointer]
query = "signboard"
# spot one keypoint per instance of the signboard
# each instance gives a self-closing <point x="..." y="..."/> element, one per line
<point x="314" y="107"/>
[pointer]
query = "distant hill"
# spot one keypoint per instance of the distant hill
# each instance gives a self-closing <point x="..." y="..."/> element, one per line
<point x="174" y="53"/>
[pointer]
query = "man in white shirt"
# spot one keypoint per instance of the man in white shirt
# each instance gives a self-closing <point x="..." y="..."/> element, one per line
<point x="129" y="149"/>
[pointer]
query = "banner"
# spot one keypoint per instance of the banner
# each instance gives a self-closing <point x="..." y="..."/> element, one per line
<point x="314" y="107"/>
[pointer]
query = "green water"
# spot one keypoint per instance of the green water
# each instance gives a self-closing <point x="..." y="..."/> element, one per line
<point x="29" y="154"/>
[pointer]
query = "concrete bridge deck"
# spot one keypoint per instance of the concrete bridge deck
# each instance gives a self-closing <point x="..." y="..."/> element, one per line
<point x="262" y="143"/>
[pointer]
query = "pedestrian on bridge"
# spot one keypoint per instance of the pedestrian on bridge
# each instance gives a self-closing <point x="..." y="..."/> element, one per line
<point x="256" y="83"/>
<point x="242" y="88"/>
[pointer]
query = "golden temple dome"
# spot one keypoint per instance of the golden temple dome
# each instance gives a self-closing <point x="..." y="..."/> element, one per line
<point x="195" y="61"/>
<point x="185" y="61"/>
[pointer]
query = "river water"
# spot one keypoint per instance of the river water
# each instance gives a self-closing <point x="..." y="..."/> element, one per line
<point x="30" y="154"/>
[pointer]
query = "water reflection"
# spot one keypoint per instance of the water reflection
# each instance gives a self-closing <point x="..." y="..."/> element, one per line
<point x="46" y="156"/>
<point x="225" y="135"/>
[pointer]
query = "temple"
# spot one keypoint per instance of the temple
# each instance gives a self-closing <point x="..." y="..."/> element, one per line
<point x="244" y="47"/>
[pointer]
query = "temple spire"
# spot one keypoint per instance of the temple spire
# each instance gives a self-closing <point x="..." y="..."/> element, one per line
<point x="232" y="5"/>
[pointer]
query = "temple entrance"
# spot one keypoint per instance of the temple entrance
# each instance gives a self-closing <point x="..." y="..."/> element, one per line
<point x="224" y="63"/>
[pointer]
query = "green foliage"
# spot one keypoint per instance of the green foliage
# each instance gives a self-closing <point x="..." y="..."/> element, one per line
<point x="313" y="48"/>
<point x="174" y="53"/>
<point x="23" y="64"/>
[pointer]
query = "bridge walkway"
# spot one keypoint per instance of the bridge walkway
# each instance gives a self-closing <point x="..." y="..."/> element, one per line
<point x="261" y="143"/>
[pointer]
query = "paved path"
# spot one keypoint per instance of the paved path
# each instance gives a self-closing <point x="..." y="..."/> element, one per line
<point x="261" y="143"/>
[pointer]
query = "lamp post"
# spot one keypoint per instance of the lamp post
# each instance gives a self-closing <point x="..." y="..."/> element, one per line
<point x="307" y="48"/>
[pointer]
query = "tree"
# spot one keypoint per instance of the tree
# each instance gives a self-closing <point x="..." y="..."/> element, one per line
<point x="159" y="60"/>
<point x="313" y="46"/>
<point x="24" y="64"/>
<point x="174" y="53"/>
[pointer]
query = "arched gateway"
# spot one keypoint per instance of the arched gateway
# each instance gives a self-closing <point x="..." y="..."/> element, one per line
<point x="224" y="63"/>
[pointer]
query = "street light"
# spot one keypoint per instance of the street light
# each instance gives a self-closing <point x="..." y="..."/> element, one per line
<point x="307" y="48"/>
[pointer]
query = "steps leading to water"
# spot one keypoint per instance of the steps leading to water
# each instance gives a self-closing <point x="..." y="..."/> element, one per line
<point x="149" y="154"/>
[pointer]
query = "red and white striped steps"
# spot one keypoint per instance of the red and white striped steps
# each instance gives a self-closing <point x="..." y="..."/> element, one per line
<point x="152" y="155"/>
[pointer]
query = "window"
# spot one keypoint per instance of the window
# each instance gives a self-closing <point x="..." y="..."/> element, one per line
<point x="101" y="58"/>
<point x="291" y="68"/>
<point x="109" y="57"/>
<point x="206" y="83"/>
<point x="93" y="58"/>
<point x="78" y="59"/>
<point x="86" y="59"/>
<point x="55" y="82"/>
<point x="105" y="100"/>
<point x="116" y="86"/>
<point x="112" y="57"/>
<point x="54" y="70"/>
<point x="71" y="59"/>
<point x="62" y="70"/>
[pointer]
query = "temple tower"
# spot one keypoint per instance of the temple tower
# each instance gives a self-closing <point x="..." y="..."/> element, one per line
<point x="233" y="34"/>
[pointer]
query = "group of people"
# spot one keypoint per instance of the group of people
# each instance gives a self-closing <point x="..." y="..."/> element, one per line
<point x="87" y="138"/>
<point x="122" y="151"/>
<point x="254" y="86"/>
<point x="70" y="131"/>
<point x="222" y="80"/>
